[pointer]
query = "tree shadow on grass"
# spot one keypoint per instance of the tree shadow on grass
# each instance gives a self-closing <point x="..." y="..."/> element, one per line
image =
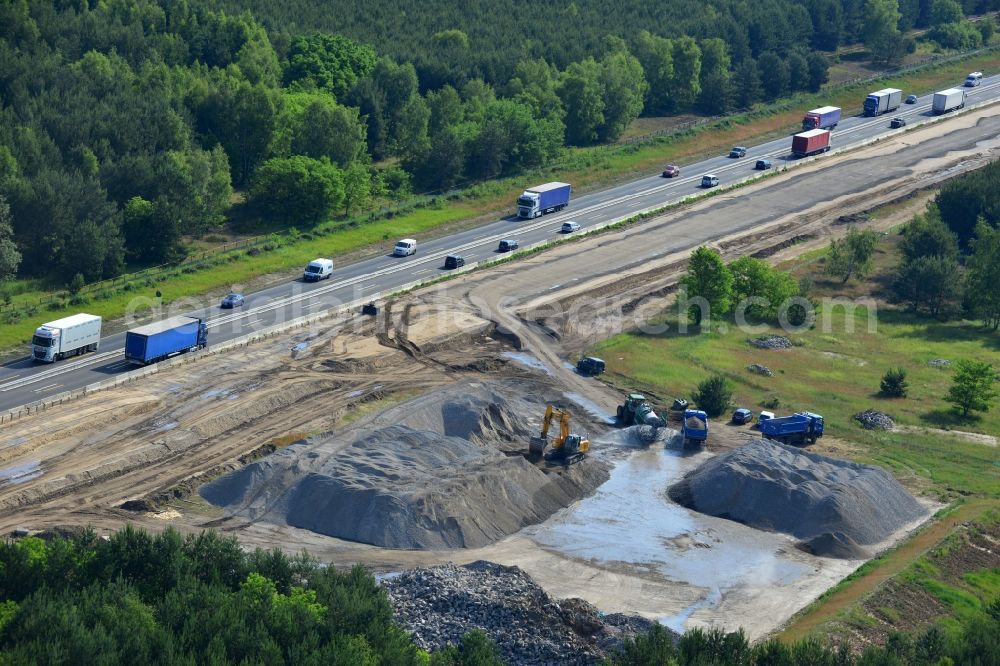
<point x="933" y="330"/>
<point x="940" y="418"/>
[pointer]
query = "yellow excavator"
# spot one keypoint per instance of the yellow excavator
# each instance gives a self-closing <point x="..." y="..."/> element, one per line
<point x="566" y="448"/>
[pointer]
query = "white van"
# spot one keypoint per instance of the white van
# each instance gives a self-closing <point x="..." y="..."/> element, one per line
<point x="318" y="269"/>
<point x="973" y="79"/>
<point x="405" y="248"/>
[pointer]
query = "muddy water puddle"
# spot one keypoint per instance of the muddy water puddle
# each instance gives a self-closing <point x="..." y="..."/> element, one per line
<point x="630" y="524"/>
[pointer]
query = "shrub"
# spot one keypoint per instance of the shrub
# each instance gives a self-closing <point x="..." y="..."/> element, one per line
<point x="714" y="395"/>
<point x="894" y="383"/>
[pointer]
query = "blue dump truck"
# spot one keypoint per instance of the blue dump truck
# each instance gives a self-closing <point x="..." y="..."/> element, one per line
<point x="541" y="199"/>
<point x="694" y="427"/>
<point x="883" y="101"/>
<point x="155" y="342"/>
<point x="798" y="428"/>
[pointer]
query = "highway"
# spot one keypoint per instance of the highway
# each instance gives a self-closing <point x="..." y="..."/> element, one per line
<point x="23" y="381"/>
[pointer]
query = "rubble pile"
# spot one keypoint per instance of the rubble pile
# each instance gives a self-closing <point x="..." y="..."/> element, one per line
<point x="871" y="419"/>
<point x="771" y="342"/>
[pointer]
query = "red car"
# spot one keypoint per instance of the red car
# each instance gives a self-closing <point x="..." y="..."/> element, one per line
<point x="671" y="171"/>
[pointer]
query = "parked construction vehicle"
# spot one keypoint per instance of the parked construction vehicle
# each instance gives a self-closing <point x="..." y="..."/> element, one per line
<point x="567" y="448"/>
<point x="694" y="427"/>
<point x="799" y="428"/>
<point x="637" y="411"/>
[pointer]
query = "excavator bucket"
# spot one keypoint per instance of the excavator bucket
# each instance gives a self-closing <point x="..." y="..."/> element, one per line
<point x="536" y="447"/>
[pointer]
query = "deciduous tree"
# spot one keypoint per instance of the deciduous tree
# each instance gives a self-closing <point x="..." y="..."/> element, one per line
<point x="974" y="387"/>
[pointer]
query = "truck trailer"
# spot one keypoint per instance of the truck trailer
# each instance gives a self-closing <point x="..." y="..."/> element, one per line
<point x="825" y="117"/>
<point x="883" y="101"/>
<point x="155" y="342"/>
<point x="536" y="201"/>
<point x="798" y="428"/>
<point x="812" y="142"/>
<point x="948" y="100"/>
<point x="69" y="336"/>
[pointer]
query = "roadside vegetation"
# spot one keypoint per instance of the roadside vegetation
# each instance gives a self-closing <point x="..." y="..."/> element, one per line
<point x="288" y="127"/>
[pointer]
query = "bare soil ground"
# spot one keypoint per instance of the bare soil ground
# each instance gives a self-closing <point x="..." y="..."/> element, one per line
<point x="139" y="453"/>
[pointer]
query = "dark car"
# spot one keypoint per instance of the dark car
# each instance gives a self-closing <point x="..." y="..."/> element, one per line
<point x="911" y="99"/>
<point x="738" y="151"/>
<point x="762" y="165"/>
<point x="589" y="366"/>
<point x="233" y="300"/>
<point x="897" y="122"/>
<point x="454" y="261"/>
<point x="507" y="245"/>
<point x="671" y="171"/>
<point x="742" y="416"/>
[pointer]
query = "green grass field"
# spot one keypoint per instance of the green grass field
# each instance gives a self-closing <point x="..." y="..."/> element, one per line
<point x="835" y="369"/>
<point x="584" y="167"/>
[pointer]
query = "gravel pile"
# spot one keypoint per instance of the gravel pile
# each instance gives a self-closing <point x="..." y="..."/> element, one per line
<point x="771" y="342"/>
<point x="441" y="604"/>
<point x="430" y="473"/>
<point x="874" y="420"/>
<point x="939" y="363"/>
<point x="834" y="506"/>
<point x="759" y="369"/>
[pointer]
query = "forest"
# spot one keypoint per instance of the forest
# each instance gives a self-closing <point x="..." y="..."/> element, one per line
<point x="139" y="598"/>
<point x="127" y="126"/>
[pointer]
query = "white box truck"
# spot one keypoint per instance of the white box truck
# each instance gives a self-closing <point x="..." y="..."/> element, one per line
<point x="948" y="100"/>
<point x="64" y="337"/>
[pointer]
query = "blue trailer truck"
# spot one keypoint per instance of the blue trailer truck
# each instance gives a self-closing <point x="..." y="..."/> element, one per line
<point x="694" y="427"/>
<point x="798" y="428"/>
<point x="541" y="199"/>
<point x="155" y="342"/>
<point x="883" y="101"/>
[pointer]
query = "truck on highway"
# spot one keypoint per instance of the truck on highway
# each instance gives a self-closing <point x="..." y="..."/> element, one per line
<point x="825" y="117"/>
<point x="536" y="201"/>
<point x="948" y="100"/>
<point x="883" y="101"/>
<point x="798" y="428"/>
<point x="157" y="341"/>
<point x="812" y="142"/>
<point x="69" y="336"/>
<point x="694" y="427"/>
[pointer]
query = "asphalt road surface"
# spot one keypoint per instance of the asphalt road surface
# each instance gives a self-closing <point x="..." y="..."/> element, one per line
<point x="24" y="381"/>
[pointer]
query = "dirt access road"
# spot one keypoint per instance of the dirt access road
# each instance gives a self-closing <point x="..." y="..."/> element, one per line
<point x="135" y="454"/>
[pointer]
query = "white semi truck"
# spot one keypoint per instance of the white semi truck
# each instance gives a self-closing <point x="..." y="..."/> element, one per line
<point x="69" y="336"/>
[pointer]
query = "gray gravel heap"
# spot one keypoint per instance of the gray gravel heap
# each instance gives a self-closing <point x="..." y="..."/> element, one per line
<point x="771" y="342"/>
<point x="871" y="419"/>
<point x="429" y="473"/>
<point x="759" y="369"/>
<point x="441" y="604"/>
<point x="834" y="506"/>
<point x="939" y="363"/>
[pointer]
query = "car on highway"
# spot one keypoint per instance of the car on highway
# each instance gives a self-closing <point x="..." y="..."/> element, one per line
<point x="762" y="165"/>
<point x="709" y="180"/>
<point x="671" y="171"/>
<point x="405" y="248"/>
<point x="508" y="245"/>
<point x="911" y="99"/>
<point x="973" y="79"/>
<point x="569" y="227"/>
<point x="897" y="122"/>
<point x="738" y="151"/>
<point x="233" y="300"/>
<point x="454" y="261"/>
<point x="742" y="416"/>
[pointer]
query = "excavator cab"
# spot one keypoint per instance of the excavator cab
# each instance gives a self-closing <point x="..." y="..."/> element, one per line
<point x="566" y="448"/>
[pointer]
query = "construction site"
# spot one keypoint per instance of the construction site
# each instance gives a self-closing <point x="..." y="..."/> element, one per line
<point x="453" y="428"/>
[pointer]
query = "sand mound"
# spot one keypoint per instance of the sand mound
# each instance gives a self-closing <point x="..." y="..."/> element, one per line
<point x="433" y="477"/>
<point x="833" y="505"/>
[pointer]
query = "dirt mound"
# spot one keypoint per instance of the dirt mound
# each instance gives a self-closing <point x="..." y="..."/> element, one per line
<point x="443" y="603"/>
<point x="834" y="545"/>
<point x="831" y="504"/>
<point x="430" y="473"/>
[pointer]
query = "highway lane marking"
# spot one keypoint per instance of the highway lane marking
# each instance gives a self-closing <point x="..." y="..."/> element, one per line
<point x="47" y="388"/>
<point x="421" y="272"/>
<point x="58" y="369"/>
